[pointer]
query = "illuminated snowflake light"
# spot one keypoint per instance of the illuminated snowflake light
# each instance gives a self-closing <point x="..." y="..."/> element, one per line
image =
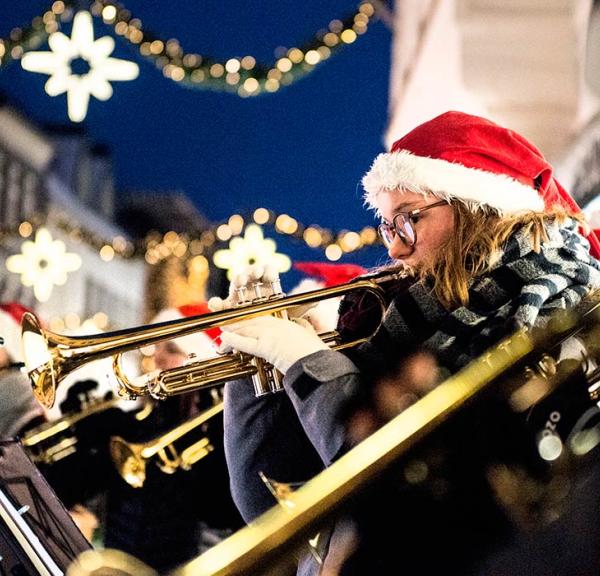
<point x="43" y="264"/>
<point x="92" y="55"/>
<point x="253" y="248"/>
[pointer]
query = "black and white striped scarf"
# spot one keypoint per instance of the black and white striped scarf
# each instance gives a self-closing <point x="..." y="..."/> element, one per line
<point x="523" y="288"/>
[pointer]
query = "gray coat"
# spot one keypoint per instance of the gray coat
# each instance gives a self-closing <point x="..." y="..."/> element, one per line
<point x="18" y="406"/>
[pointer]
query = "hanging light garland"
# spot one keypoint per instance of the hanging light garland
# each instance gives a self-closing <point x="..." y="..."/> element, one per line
<point x="107" y="249"/>
<point x="243" y="76"/>
<point x="44" y="262"/>
<point x="23" y="39"/>
<point x="156" y="247"/>
<point x="334" y="244"/>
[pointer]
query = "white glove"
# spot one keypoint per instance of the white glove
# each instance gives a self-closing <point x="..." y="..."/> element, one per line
<point x="243" y="287"/>
<point x="280" y="342"/>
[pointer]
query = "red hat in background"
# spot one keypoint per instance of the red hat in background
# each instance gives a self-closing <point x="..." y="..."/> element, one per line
<point x="330" y="274"/>
<point x="198" y="343"/>
<point x="459" y="156"/>
<point x="11" y="314"/>
<point x="324" y="314"/>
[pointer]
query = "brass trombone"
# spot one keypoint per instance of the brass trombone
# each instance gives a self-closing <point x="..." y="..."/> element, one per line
<point x="131" y="459"/>
<point x="49" y="357"/>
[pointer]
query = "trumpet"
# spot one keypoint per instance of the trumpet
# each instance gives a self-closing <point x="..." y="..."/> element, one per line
<point x="53" y="441"/>
<point x="49" y="357"/>
<point x="131" y="459"/>
<point x="50" y="442"/>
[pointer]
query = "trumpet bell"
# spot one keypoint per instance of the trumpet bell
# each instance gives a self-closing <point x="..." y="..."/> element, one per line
<point x="38" y="360"/>
<point x="131" y="467"/>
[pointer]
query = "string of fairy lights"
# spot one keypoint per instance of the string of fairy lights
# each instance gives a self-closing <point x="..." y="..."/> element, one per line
<point x="156" y="246"/>
<point x="242" y="75"/>
<point x="45" y="261"/>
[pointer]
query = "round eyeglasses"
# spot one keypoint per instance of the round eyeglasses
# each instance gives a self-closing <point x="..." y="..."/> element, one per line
<point x="402" y="225"/>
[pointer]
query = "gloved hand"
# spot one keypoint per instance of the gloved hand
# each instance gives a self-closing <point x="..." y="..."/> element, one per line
<point x="243" y="285"/>
<point x="280" y="342"/>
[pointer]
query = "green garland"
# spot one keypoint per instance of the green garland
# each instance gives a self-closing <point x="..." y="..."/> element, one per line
<point x="242" y="76"/>
<point x="21" y="40"/>
<point x="195" y="242"/>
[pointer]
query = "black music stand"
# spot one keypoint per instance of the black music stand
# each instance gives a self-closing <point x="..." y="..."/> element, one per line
<point x="37" y="534"/>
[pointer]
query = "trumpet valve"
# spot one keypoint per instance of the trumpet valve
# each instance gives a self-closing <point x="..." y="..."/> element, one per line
<point x="276" y="287"/>
<point x="241" y="291"/>
<point x="241" y="295"/>
<point x="257" y="288"/>
<point x="267" y="378"/>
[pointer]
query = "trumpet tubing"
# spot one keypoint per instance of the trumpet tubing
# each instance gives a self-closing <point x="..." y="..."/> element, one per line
<point x="53" y="441"/>
<point x="195" y="453"/>
<point x="212" y="372"/>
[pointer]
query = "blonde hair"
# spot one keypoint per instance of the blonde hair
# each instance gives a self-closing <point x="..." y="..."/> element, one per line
<point x="476" y="244"/>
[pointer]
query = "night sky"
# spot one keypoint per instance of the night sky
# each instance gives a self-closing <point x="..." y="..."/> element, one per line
<point x="301" y="151"/>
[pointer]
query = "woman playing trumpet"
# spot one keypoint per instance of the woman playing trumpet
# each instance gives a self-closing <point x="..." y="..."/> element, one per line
<point x="470" y="211"/>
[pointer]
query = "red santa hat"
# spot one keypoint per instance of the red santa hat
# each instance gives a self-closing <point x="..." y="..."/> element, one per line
<point x="10" y="328"/>
<point x="329" y="274"/>
<point x="198" y="343"/>
<point x="459" y="156"/>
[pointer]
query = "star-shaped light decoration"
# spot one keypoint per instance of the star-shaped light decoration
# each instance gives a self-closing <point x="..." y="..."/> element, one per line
<point x="80" y="66"/>
<point x="43" y="264"/>
<point x="253" y="248"/>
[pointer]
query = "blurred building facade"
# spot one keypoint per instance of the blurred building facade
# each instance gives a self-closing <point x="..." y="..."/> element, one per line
<point x="62" y="183"/>
<point x="527" y="64"/>
<point x="58" y="179"/>
<point x="173" y="281"/>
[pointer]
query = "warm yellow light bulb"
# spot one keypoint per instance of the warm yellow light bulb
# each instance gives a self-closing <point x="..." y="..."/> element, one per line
<point x="233" y="65"/>
<point x="107" y="253"/>
<point x="348" y="36"/>
<point x="261" y="216"/>
<point x="109" y="13"/>
<point x="284" y="64"/>
<point x="333" y="252"/>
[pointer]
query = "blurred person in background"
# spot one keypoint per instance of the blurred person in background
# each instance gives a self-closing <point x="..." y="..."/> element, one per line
<point x="174" y="517"/>
<point x="19" y="410"/>
<point x="323" y="315"/>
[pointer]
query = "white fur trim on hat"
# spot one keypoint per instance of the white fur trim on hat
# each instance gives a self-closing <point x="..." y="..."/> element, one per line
<point x="197" y="343"/>
<point x="403" y="170"/>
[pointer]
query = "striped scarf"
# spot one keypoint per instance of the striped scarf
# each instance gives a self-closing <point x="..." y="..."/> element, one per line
<point x="523" y="288"/>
